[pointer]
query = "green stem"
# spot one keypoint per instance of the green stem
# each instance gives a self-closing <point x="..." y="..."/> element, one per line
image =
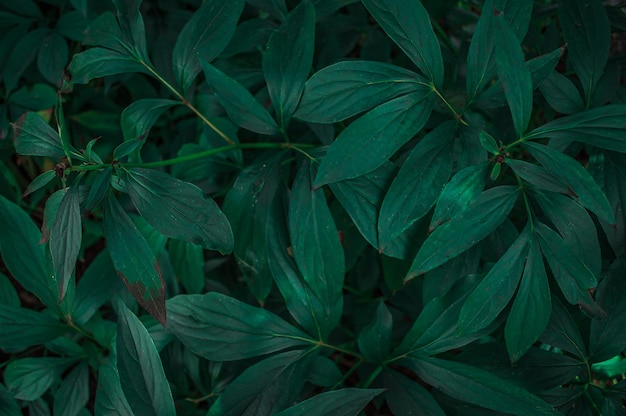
<point x="347" y="375"/>
<point x="456" y="115"/>
<point x="372" y="377"/>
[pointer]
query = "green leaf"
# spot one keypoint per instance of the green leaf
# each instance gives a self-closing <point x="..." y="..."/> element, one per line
<point x="220" y="328"/>
<point x="65" y="238"/>
<point x="539" y="177"/>
<point x="405" y="396"/>
<point x="459" y="193"/>
<point x="22" y="254"/>
<point x="488" y="142"/>
<point x="579" y="181"/>
<point x="283" y="377"/>
<point x="138" y="118"/>
<point x="371" y="140"/>
<point x="561" y="94"/>
<point x="316" y="246"/>
<point x="8" y="293"/>
<point x="344" y="402"/>
<point x="496" y="289"/>
<point x="345" y="89"/>
<point x="247" y="207"/>
<point x="73" y="393"/>
<point x="126" y="148"/>
<point x="242" y="108"/>
<point x="29" y="378"/>
<point x="21" y="328"/>
<point x="35" y="97"/>
<point x="287" y="60"/>
<point x="188" y="263"/>
<point x="418" y="184"/>
<point x="132" y="26"/>
<point x="601" y="127"/>
<point x="140" y="370"/>
<point x="530" y="312"/>
<point x="133" y="260"/>
<point x="375" y="339"/>
<point x="480" y="56"/>
<point x="478" y="387"/>
<point x="110" y="399"/>
<point x="23" y="54"/>
<point x="39" y="182"/>
<point x="8" y="406"/>
<point x="514" y="74"/>
<point x="562" y="332"/>
<point x="407" y="23"/>
<point x="178" y="209"/>
<point x="587" y="31"/>
<point x="35" y="137"/>
<point x="98" y="189"/>
<point x="462" y="232"/>
<point x="100" y="62"/>
<point x="204" y="36"/>
<point x="52" y="58"/>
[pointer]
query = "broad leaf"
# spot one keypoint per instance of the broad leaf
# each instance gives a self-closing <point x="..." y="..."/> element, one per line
<point x="178" y="209"/>
<point x="538" y="177"/>
<point x="52" y="58"/>
<point x="29" y="378"/>
<point x="316" y="246"/>
<point x="561" y="94"/>
<point x="407" y="23"/>
<point x="100" y="62"/>
<point x="242" y="108"/>
<point x="204" y="36"/>
<point x="220" y="328"/>
<point x="375" y="339"/>
<point x="480" y="56"/>
<point x="73" y="393"/>
<point x="132" y="26"/>
<point x="35" y="137"/>
<point x="188" y="263"/>
<point x="345" y="89"/>
<point x="478" y="387"/>
<point x="140" y="370"/>
<point x="405" y="396"/>
<point x="344" y="402"/>
<point x="562" y="331"/>
<point x="372" y="139"/>
<point x="133" y="260"/>
<point x="21" y="328"/>
<point x="283" y="377"/>
<point x="8" y="405"/>
<point x="138" y="118"/>
<point x="418" y="184"/>
<point x="287" y="60"/>
<point x="462" y="232"/>
<point x="531" y="309"/>
<point x="110" y="399"/>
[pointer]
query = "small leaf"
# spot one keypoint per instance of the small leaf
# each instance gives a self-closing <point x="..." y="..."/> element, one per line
<point x="73" y="393"/>
<point x="531" y="309"/>
<point x="372" y="139"/>
<point x="287" y="60"/>
<point x="220" y="328"/>
<point x="582" y="185"/>
<point x="133" y="260"/>
<point x="29" y="378"/>
<point x="140" y="370"/>
<point x="138" y="118"/>
<point x="110" y="399"/>
<point x="39" y="182"/>
<point x="178" y="209"/>
<point x="561" y="94"/>
<point x="242" y="108"/>
<point x="459" y="234"/>
<point x="407" y="23"/>
<point x="204" y="36"/>
<point x="35" y="137"/>
<point x="404" y="396"/>
<point x="100" y="62"/>
<point x="126" y="148"/>
<point x="21" y="328"/>
<point x="375" y="339"/>
<point x="345" y="89"/>
<point x="488" y="142"/>
<point x="344" y="402"/>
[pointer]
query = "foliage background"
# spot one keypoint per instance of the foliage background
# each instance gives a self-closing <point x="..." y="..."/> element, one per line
<point x="312" y="207"/>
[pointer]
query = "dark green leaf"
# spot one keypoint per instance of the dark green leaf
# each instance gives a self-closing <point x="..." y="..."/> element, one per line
<point x="132" y="26"/>
<point x="418" y="184"/>
<point x="8" y="406"/>
<point x="405" y="396"/>
<point x="496" y="289"/>
<point x="73" y="393"/>
<point x="126" y="148"/>
<point x="372" y="139"/>
<point x="39" y="182"/>
<point x="408" y="24"/>
<point x="561" y="94"/>
<point x="282" y="375"/>
<point x="98" y="189"/>
<point x="138" y="118"/>
<point x="21" y="328"/>
<point x="100" y="62"/>
<point x="204" y="36"/>
<point x="459" y="234"/>
<point x="66" y="236"/>
<point x="602" y="127"/>
<point x="579" y="181"/>
<point x="110" y="399"/>
<point x="488" y="142"/>
<point x="8" y="293"/>
<point x="21" y="57"/>
<point x="562" y="331"/>
<point x="324" y="372"/>
<point x="480" y="57"/>
<point x="344" y="402"/>
<point x="316" y="246"/>
<point x="35" y="137"/>
<point x="539" y="177"/>
<point x="276" y="8"/>
<point x="188" y="263"/>
<point x="348" y="88"/>
<point x="29" y="378"/>
<point x="220" y="328"/>
<point x="288" y="59"/>
<point x="514" y="74"/>
<point x="133" y="260"/>
<point x="52" y="58"/>
<point x="530" y="312"/>
<point x="375" y="339"/>
<point x="587" y="31"/>
<point x="178" y="209"/>
<point x="35" y="97"/>
<point x="478" y="387"/>
<point x="105" y="31"/>
<point x="242" y="108"/>
<point x="72" y="25"/>
<point x="140" y="370"/>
